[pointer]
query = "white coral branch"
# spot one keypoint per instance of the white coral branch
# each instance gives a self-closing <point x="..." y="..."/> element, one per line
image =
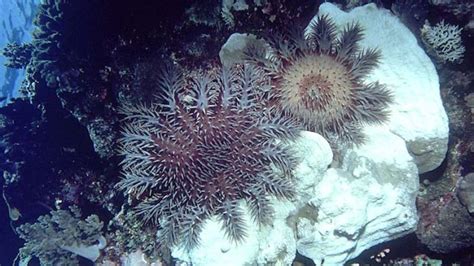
<point x="444" y="41"/>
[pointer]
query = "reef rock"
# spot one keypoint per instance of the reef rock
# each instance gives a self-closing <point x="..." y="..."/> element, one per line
<point x="445" y="226"/>
<point x="466" y="192"/>
<point x="417" y="115"/>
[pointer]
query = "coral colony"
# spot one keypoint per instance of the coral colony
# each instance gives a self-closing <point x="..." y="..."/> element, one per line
<point x="319" y="80"/>
<point x="443" y="41"/>
<point x="201" y="151"/>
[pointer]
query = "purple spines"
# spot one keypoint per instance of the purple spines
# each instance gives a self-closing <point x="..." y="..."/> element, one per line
<point x="204" y="151"/>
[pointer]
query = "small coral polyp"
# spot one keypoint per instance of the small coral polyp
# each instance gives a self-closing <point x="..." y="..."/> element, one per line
<point x="200" y="151"/>
<point x="318" y="79"/>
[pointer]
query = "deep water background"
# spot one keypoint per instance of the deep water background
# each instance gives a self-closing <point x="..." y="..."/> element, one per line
<point x="9" y="242"/>
<point x="16" y="25"/>
<point x="16" y="20"/>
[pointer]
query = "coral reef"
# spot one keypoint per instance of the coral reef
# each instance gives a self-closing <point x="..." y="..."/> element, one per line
<point x="201" y="150"/>
<point x="59" y="140"/>
<point x="128" y="235"/>
<point x="47" y="160"/>
<point x="50" y="40"/>
<point x="61" y="60"/>
<point x="89" y="58"/>
<point x="412" y="13"/>
<point x="459" y="8"/>
<point x="465" y="192"/>
<point x="319" y="80"/>
<point x="34" y="133"/>
<point x="446" y="224"/>
<point x="53" y="235"/>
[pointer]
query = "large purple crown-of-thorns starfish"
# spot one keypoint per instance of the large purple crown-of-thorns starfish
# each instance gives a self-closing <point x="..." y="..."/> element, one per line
<point x="200" y="150"/>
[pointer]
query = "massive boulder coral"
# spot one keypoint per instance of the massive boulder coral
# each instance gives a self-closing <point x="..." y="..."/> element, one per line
<point x="323" y="222"/>
<point x="410" y="75"/>
<point x="369" y="200"/>
<point x="274" y="243"/>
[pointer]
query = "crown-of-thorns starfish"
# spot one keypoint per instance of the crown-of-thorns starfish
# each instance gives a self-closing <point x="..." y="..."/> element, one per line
<point x="318" y="78"/>
<point x="205" y="147"/>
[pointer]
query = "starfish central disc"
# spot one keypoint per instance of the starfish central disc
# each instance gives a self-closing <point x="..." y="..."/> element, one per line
<point x="318" y="86"/>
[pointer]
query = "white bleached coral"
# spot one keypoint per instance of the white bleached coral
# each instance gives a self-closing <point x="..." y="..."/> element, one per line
<point x="443" y="41"/>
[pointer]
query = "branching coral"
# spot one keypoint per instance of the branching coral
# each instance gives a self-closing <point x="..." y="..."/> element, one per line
<point x="52" y="238"/>
<point x="48" y="41"/>
<point x="204" y="149"/>
<point x="443" y="41"/>
<point x="319" y="80"/>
